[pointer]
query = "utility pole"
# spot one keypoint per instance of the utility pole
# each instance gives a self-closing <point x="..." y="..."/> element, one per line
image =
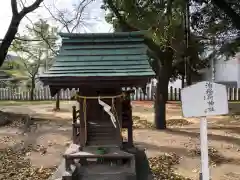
<point x="188" y="74"/>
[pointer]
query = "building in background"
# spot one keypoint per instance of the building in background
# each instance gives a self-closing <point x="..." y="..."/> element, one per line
<point x="226" y="72"/>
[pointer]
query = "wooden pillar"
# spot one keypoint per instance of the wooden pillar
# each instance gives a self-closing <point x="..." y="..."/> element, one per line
<point x="130" y="132"/>
<point x="130" y="124"/>
<point x="74" y="129"/>
<point x="74" y="114"/>
<point x="118" y="105"/>
<point x="82" y="137"/>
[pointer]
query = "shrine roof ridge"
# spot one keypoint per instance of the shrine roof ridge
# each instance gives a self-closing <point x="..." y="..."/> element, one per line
<point x="132" y="34"/>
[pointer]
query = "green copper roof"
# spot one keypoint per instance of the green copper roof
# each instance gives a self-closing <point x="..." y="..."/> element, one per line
<point x="101" y="54"/>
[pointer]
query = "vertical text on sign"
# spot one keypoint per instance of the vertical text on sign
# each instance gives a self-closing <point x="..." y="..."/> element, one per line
<point x="208" y="97"/>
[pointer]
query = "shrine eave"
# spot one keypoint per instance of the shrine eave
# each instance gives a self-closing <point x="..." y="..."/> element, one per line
<point x="100" y="82"/>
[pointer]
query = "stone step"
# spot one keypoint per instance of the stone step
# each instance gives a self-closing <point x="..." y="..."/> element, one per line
<point x="101" y="135"/>
<point x="101" y="142"/>
<point x="101" y="128"/>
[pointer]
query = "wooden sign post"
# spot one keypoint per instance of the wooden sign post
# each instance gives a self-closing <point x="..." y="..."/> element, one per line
<point x="202" y="100"/>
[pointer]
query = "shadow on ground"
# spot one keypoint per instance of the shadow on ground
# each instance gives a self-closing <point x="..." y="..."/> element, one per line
<point x="186" y="132"/>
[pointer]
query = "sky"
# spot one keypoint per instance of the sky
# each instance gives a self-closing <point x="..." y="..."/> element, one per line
<point x="98" y="23"/>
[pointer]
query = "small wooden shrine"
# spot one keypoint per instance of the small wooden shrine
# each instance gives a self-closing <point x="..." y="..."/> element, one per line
<point x="100" y="65"/>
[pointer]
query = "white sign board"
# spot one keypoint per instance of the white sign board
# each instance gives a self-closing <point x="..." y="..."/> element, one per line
<point x="204" y="99"/>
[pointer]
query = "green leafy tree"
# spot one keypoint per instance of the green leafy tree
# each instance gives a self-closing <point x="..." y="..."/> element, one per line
<point x="214" y="32"/>
<point x="163" y="22"/>
<point x="217" y="26"/>
<point x="47" y="40"/>
<point x="48" y="35"/>
<point x="228" y="8"/>
<point x="39" y="53"/>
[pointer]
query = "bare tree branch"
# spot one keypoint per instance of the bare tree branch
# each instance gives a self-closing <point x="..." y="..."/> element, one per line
<point x="46" y="40"/>
<point x="22" y="3"/>
<point x="25" y="63"/>
<point x="80" y="10"/>
<point x="62" y="21"/>
<point x="30" y="8"/>
<point x="32" y="71"/>
<point x="75" y="19"/>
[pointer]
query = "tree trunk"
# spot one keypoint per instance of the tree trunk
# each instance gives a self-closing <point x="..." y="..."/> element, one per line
<point x="57" y="108"/>
<point x="32" y="88"/>
<point x="189" y="72"/>
<point x="182" y="81"/>
<point x="8" y="38"/>
<point x="161" y="99"/>
<point x="162" y="90"/>
<point x="189" y="80"/>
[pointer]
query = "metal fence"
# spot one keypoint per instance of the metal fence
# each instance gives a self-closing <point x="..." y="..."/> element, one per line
<point x="174" y="94"/>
